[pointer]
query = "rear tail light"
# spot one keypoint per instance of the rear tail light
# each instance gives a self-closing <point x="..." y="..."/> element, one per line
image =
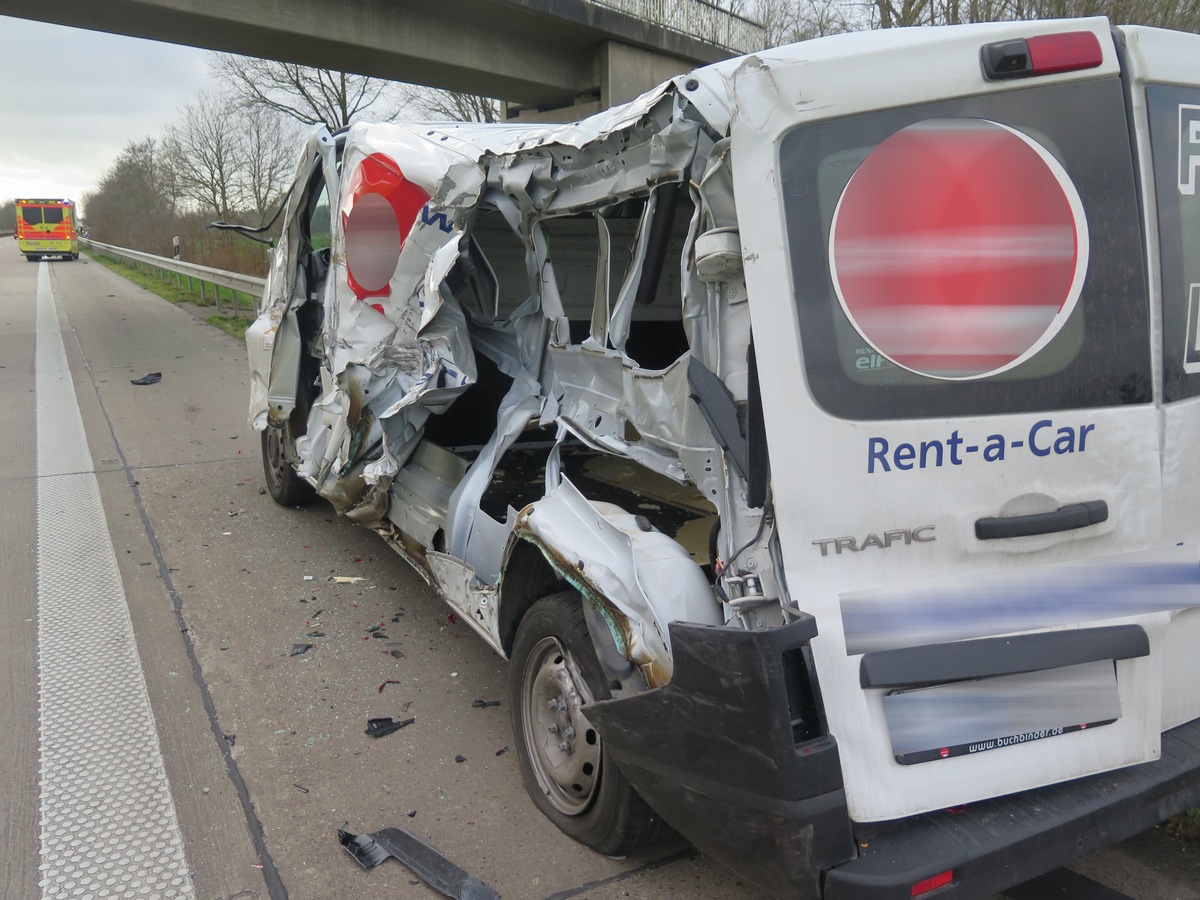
<point x="921" y="888"/>
<point x="1045" y="54"/>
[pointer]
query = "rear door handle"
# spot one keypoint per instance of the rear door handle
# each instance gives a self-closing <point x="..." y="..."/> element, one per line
<point x="1065" y="518"/>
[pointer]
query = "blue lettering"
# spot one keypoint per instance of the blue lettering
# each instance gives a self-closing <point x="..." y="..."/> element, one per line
<point x="438" y="219"/>
<point x="926" y="446"/>
<point x="954" y="442"/>
<point x="877" y="449"/>
<point x="1083" y="433"/>
<point x="1033" y="446"/>
<point x="1042" y="440"/>
<point x="995" y="448"/>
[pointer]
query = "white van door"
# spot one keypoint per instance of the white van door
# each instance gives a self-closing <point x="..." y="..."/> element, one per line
<point x="1163" y="69"/>
<point x="968" y="488"/>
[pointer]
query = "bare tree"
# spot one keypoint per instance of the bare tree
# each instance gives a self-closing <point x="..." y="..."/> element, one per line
<point x="205" y="153"/>
<point x="448" y="106"/>
<point x="269" y="143"/>
<point x="786" y="21"/>
<point x="308" y="95"/>
<point x="133" y="205"/>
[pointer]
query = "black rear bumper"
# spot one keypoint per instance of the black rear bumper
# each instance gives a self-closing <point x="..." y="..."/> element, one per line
<point x="718" y="754"/>
<point x="995" y="844"/>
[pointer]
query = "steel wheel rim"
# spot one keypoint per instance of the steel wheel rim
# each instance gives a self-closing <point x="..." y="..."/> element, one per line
<point x="564" y="748"/>
<point x="276" y="462"/>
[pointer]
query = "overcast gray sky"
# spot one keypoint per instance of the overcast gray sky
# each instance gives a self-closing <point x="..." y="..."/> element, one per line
<point x="70" y="100"/>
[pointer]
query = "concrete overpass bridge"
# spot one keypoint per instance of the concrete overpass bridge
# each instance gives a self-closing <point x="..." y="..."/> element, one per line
<point x="562" y="58"/>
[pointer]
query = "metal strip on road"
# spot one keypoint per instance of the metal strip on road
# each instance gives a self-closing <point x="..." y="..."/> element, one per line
<point x="108" y="826"/>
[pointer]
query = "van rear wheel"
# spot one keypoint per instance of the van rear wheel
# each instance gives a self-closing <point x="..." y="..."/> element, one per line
<point x="563" y="762"/>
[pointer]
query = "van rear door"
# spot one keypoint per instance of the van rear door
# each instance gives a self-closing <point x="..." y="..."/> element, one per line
<point x="969" y="491"/>
<point x="1163" y="69"/>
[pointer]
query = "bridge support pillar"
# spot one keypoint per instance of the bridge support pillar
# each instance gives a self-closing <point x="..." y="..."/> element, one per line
<point x="622" y="72"/>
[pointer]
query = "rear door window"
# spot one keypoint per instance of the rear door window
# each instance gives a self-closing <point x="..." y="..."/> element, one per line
<point x="971" y="256"/>
<point x="1175" y="144"/>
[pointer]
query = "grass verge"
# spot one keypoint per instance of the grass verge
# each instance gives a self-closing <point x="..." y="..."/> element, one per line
<point x="222" y="317"/>
<point x="234" y="325"/>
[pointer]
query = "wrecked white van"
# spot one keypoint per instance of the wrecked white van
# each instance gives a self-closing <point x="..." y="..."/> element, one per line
<point x="816" y="434"/>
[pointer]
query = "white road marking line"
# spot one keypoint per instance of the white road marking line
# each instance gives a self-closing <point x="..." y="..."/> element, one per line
<point x="108" y="823"/>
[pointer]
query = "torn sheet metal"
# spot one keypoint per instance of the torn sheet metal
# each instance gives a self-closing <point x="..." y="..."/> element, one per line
<point x="464" y="312"/>
<point x="448" y="879"/>
<point x="648" y="578"/>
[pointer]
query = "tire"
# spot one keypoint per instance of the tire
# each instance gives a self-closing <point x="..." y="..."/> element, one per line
<point x="34" y="258"/>
<point x="567" y="773"/>
<point x="283" y="484"/>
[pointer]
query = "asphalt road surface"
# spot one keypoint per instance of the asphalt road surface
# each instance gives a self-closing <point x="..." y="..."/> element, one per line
<point x="187" y="669"/>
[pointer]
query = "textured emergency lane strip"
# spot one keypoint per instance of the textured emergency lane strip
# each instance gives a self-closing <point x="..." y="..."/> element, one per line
<point x="108" y="824"/>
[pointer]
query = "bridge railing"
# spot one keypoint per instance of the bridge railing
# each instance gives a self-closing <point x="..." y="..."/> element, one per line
<point x="699" y="19"/>
<point x="199" y="278"/>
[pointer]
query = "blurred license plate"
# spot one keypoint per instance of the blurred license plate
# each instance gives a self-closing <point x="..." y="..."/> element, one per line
<point x="970" y="717"/>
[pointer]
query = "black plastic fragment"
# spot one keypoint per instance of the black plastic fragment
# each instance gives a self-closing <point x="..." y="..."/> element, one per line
<point x="484" y="704"/>
<point x="300" y="649"/>
<point x="148" y="378"/>
<point x="369" y="850"/>
<point x="378" y="728"/>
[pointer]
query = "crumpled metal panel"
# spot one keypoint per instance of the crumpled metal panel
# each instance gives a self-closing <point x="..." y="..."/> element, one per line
<point x="644" y="575"/>
<point x="280" y="292"/>
<point x="398" y="346"/>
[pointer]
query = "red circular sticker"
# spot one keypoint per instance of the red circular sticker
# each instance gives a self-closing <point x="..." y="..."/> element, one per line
<point x="958" y="248"/>
<point x="380" y="209"/>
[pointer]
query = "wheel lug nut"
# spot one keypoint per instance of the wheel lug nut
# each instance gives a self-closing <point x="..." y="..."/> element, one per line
<point x="564" y="746"/>
<point x="553" y="729"/>
<point x="569" y="733"/>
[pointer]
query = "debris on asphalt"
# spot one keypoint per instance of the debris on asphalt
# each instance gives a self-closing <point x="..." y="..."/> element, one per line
<point x="302" y="790"/>
<point x="345" y="579"/>
<point x="382" y="727"/>
<point x="459" y="758"/>
<point x="484" y="704"/>
<point x="502" y="750"/>
<point x="412" y="813"/>
<point x="315" y="634"/>
<point x="386" y="683"/>
<point x="369" y="850"/>
<point x="148" y="378"/>
<point x="452" y="618"/>
<point x="300" y="649"/>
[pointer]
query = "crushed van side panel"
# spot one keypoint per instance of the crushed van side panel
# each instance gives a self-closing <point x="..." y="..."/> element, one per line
<point x="403" y="326"/>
